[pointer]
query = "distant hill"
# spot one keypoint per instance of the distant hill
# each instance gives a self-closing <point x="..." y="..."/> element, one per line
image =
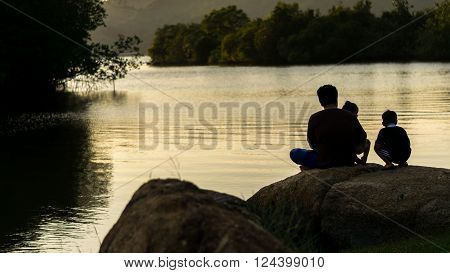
<point x="143" y="17"/>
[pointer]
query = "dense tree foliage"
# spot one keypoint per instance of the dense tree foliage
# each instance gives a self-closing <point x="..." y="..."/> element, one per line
<point x="434" y="42"/>
<point x="196" y="44"/>
<point x="46" y="43"/>
<point x="290" y="35"/>
<point x="182" y="44"/>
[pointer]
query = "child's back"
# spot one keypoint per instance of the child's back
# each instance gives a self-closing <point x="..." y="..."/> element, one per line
<point x="396" y="140"/>
<point x="363" y="148"/>
<point x="393" y="144"/>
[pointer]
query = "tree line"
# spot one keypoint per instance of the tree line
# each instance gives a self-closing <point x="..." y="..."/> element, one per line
<point x="45" y="44"/>
<point x="290" y="36"/>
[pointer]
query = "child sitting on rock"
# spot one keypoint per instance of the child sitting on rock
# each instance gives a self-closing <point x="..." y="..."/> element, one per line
<point x="393" y="145"/>
<point x="360" y="149"/>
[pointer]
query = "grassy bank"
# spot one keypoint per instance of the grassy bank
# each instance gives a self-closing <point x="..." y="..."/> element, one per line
<point x="440" y="244"/>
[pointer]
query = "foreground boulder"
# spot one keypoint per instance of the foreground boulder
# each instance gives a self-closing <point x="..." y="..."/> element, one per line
<point x="385" y="206"/>
<point x="291" y="208"/>
<point x="341" y="208"/>
<point x="175" y="216"/>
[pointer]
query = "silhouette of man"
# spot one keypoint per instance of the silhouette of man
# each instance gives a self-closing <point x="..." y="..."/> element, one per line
<point x="333" y="134"/>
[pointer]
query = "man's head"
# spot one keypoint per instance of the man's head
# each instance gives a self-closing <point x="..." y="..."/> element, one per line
<point x="389" y="117"/>
<point x="328" y="96"/>
<point x="351" y="107"/>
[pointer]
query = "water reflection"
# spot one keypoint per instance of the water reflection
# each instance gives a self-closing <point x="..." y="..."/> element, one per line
<point x="65" y="178"/>
<point x="48" y="175"/>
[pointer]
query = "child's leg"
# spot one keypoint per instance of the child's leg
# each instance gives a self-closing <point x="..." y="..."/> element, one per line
<point x="384" y="155"/>
<point x="403" y="160"/>
<point x="366" y="152"/>
<point x="363" y="149"/>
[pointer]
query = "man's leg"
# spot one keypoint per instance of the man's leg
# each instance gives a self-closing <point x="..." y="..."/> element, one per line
<point x="304" y="158"/>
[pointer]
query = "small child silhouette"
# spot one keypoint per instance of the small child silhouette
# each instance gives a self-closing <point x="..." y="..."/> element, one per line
<point x="360" y="149"/>
<point x="393" y="145"/>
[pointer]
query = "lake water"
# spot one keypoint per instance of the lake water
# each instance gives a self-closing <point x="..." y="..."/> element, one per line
<point x="67" y="177"/>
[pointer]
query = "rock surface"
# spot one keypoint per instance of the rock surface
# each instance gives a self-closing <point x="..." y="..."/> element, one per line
<point x="385" y="206"/>
<point x="175" y="216"/>
<point x="340" y="208"/>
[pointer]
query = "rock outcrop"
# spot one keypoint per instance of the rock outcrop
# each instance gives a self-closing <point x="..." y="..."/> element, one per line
<point x="319" y="210"/>
<point x="341" y="208"/>
<point x="385" y="206"/>
<point x="175" y="216"/>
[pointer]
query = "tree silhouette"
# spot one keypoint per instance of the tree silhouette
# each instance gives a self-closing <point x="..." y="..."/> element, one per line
<point x="52" y="44"/>
<point x="292" y="36"/>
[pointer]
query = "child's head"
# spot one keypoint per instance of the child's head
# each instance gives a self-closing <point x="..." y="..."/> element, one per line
<point x="389" y="117"/>
<point x="351" y="107"/>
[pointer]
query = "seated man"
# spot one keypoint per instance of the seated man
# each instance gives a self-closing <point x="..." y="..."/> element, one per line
<point x="333" y="134"/>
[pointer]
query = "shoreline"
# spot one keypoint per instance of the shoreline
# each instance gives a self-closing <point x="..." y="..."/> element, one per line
<point x="299" y="65"/>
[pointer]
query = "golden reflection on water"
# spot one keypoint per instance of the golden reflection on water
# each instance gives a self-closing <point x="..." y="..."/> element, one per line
<point x="246" y="157"/>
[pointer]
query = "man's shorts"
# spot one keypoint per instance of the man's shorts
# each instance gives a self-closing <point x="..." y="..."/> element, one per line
<point x="302" y="157"/>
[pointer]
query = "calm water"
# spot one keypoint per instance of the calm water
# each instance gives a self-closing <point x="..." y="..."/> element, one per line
<point x="67" y="177"/>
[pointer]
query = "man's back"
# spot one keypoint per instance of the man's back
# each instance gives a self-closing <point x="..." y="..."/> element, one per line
<point x="334" y="134"/>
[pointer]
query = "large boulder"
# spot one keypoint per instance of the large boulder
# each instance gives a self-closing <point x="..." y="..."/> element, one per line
<point x="175" y="216"/>
<point x="386" y="206"/>
<point x="341" y="208"/>
<point x="290" y="209"/>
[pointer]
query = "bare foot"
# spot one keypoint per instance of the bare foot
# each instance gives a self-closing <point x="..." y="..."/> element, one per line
<point x="364" y="160"/>
<point x="361" y="161"/>
<point x="389" y="166"/>
<point x="403" y="165"/>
